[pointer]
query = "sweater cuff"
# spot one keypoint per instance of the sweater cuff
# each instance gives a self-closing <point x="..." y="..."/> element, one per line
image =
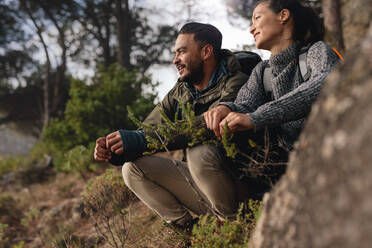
<point x="258" y="122"/>
<point x="134" y="144"/>
<point x="230" y="105"/>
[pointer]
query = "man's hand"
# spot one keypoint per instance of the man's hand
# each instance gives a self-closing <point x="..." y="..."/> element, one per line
<point x="114" y="143"/>
<point x="101" y="153"/>
<point x="236" y="122"/>
<point x="213" y="118"/>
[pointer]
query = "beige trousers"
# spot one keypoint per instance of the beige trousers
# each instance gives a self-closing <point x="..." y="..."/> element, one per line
<point x="163" y="188"/>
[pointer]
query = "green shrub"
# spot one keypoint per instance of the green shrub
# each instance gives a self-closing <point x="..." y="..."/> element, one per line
<point x="42" y="148"/>
<point x="100" y="108"/>
<point x="10" y="219"/>
<point x="213" y="233"/>
<point x="19" y="245"/>
<point x="30" y="216"/>
<point x="3" y="228"/>
<point x="11" y="163"/>
<point x="106" y="200"/>
<point x="79" y="159"/>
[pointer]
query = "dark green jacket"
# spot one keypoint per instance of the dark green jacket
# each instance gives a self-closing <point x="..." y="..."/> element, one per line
<point x="225" y="90"/>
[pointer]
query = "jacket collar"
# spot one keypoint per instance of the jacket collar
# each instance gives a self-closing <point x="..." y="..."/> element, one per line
<point x="228" y="65"/>
<point x="216" y="76"/>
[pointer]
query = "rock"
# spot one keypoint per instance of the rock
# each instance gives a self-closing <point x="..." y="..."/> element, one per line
<point x="356" y="16"/>
<point x="324" y="198"/>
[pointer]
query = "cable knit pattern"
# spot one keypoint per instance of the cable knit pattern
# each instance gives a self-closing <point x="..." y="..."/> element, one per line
<point x="292" y="97"/>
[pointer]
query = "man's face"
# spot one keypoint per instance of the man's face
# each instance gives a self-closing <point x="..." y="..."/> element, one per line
<point x="187" y="58"/>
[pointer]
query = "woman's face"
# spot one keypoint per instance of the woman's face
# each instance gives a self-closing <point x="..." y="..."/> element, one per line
<point x="267" y="27"/>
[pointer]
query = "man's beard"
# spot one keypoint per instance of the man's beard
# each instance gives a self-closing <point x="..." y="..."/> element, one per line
<point x="196" y="74"/>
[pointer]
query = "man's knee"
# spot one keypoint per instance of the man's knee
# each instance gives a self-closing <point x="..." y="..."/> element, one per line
<point x="204" y="158"/>
<point x="130" y="173"/>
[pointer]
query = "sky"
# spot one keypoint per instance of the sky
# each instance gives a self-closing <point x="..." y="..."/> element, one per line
<point x="234" y="37"/>
<point x="170" y="12"/>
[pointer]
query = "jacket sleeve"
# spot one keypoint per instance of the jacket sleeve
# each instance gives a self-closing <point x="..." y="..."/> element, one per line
<point x="134" y="141"/>
<point x="168" y="105"/>
<point x="297" y="104"/>
<point x="229" y="93"/>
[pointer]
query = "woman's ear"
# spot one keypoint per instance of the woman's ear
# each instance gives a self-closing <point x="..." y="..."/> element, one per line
<point x="284" y="15"/>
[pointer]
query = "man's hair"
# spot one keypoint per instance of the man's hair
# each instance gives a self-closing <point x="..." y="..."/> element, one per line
<point x="204" y="34"/>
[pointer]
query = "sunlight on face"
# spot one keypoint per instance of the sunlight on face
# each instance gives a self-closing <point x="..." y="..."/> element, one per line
<point x="187" y="57"/>
<point x="266" y="27"/>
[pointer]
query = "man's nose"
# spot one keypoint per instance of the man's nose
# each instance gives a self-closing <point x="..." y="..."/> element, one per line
<point x="176" y="59"/>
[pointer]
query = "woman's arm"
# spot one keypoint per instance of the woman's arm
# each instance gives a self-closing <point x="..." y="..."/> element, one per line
<point x="251" y="95"/>
<point x="297" y="103"/>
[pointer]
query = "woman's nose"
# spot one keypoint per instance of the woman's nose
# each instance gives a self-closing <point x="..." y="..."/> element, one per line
<point x="252" y="29"/>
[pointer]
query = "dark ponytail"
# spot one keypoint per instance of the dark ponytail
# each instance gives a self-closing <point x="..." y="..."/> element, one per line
<point x="308" y="27"/>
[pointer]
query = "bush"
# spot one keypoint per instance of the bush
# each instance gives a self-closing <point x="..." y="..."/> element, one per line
<point x="106" y="199"/>
<point x="211" y="232"/>
<point x="79" y="159"/>
<point x="10" y="219"/>
<point x="10" y="163"/>
<point x="100" y="108"/>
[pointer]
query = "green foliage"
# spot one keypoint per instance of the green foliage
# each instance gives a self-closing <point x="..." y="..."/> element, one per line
<point x="106" y="200"/>
<point x="10" y="219"/>
<point x="42" y="148"/>
<point x="100" y="108"/>
<point x="230" y="148"/>
<point x="11" y="163"/>
<point x="3" y="228"/>
<point x="79" y="159"/>
<point x="211" y="232"/>
<point x="30" y="216"/>
<point x="19" y="245"/>
<point x="189" y="128"/>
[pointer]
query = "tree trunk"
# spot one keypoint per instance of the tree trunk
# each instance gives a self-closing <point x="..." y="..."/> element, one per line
<point x="61" y="68"/>
<point x="332" y="23"/>
<point x="123" y="27"/>
<point x="46" y="86"/>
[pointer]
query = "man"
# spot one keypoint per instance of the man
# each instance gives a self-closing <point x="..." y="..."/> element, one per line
<point x="208" y="76"/>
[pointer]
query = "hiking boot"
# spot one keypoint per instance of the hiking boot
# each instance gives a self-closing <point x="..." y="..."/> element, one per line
<point x="183" y="225"/>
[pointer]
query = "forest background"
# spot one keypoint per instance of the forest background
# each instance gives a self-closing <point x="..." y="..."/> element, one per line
<point x="42" y="46"/>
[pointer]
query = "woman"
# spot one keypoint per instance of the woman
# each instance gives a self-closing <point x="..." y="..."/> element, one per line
<point x="282" y="27"/>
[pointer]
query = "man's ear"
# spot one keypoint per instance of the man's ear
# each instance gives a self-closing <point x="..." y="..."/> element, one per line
<point x="207" y="52"/>
<point x="284" y="15"/>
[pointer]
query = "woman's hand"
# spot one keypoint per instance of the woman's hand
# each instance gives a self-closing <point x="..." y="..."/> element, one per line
<point x="236" y="122"/>
<point x="214" y="116"/>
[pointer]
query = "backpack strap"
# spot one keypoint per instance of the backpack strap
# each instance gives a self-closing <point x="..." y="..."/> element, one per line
<point x="304" y="69"/>
<point x="266" y="79"/>
<point x="302" y="63"/>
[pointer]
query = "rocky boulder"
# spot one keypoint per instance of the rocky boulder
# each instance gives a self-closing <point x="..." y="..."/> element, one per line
<point x="324" y="199"/>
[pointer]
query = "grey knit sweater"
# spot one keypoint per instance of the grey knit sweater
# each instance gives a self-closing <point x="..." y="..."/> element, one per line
<point x="292" y="97"/>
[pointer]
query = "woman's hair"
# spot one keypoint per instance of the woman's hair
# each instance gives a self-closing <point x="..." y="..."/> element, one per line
<point x="307" y="26"/>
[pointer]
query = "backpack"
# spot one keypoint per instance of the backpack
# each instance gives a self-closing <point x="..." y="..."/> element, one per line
<point x="247" y="61"/>
<point x="304" y="69"/>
